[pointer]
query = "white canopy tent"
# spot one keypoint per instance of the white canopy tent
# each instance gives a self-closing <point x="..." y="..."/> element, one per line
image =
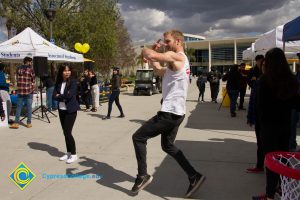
<point x="248" y="54"/>
<point x="29" y="43"/>
<point x="273" y="39"/>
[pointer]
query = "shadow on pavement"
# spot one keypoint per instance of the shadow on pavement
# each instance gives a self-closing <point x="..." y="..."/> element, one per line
<point x="53" y="151"/>
<point x="138" y="121"/>
<point x="110" y="176"/>
<point x="191" y="100"/>
<point x="97" y="115"/>
<point x="207" y="116"/>
<point x="223" y="162"/>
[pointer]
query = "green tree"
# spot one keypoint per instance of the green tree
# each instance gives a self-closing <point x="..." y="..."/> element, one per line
<point x="8" y="13"/>
<point x="97" y="22"/>
<point x="190" y="53"/>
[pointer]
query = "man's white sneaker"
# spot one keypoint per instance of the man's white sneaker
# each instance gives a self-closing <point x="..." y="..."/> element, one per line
<point x="72" y="158"/>
<point x="64" y="157"/>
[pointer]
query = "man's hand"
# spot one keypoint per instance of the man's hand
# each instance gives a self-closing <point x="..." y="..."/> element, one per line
<point x="157" y="45"/>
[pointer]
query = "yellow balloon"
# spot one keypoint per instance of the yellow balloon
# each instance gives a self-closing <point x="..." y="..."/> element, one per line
<point x="78" y="47"/>
<point x="85" y="48"/>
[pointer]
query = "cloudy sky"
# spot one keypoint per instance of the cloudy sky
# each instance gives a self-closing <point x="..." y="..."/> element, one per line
<point x="146" y="20"/>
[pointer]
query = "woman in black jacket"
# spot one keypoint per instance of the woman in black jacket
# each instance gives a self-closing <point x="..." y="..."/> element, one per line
<point x="65" y="92"/>
<point x="116" y="84"/>
<point x="276" y="96"/>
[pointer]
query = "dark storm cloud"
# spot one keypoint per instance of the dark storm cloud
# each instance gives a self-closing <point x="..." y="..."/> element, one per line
<point x="210" y="10"/>
<point x="147" y="19"/>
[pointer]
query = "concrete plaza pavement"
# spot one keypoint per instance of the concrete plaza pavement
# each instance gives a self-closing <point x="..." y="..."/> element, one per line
<point x="218" y="146"/>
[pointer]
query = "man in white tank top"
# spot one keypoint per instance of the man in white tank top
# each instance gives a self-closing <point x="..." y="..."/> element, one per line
<point x="172" y="112"/>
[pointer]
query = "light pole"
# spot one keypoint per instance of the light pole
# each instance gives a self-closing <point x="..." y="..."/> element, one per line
<point x="50" y="14"/>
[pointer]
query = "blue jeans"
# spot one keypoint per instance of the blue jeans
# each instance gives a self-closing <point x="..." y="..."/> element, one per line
<point x="51" y="103"/>
<point x="26" y="100"/>
<point x="233" y="95"/>
<point x="114" y="97"/>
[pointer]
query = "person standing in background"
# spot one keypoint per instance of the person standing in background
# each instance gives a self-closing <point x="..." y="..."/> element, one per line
<point x="295" y="118"/>
<point x="94" y="91"/>
<point x="49" y="84"/>
<point x="86" y="90"/>
<point x="114" y="97"/>
<point x="2" y="113"/>
<point x="201" y="86"/>
<point x="4" y="91"/>
<point x="276" y="96"/>
<point x="214" y="82"/>
<point x="26" y="85"/>
<point x="243" y="85"/>
<point x="233" y="78"/>
<point x="256" y="71"/>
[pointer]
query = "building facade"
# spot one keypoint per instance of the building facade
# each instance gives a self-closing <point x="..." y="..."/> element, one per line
<point x="217" y="54"/>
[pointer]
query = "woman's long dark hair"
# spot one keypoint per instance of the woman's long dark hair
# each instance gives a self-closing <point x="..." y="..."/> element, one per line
<point x="278" y="74"/>
<point x="59" y="77"/>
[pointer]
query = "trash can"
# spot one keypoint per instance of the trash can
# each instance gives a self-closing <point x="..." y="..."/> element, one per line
<point x="226" y="100"/>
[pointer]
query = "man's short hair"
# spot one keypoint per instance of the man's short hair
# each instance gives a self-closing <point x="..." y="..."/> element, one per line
<point x="176" y="34"/>
<point x="259" y="57"/>
<point x="243" y="64"/>
<point x="27" y="59"/>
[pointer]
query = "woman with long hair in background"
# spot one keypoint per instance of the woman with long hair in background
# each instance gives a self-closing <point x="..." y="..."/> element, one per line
<point x="276" y="96"/>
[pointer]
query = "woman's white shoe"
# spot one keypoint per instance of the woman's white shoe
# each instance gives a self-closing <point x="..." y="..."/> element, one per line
<point x="65" y="157"/>
<point x="72" y="158"/>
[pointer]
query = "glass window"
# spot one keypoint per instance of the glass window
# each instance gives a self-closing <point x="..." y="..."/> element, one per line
<point x="144" y="75"/>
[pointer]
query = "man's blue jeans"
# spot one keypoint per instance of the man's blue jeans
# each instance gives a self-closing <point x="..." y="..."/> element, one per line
<point x="26" y="100"/>
<point x="233" y="95"/>
<point x="51" y="103"/>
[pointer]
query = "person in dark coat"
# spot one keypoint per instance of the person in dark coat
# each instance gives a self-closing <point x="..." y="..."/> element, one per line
<point x="252" y="121"/>
<point x="65" y="92"/>
<point x="86" y="90"/>
<point x="214" y="81"/>
<point x="114" y="97"/>
<point x="277" y="94"/>
<point x="255" y="72"/>
<point x="201" y="85"/>
<point x="295" y="117"/>
<point x="243" y="85"/>
<point x="233" y="78"/>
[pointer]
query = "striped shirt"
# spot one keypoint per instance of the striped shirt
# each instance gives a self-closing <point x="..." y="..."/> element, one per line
<point x="25" y="79"/>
